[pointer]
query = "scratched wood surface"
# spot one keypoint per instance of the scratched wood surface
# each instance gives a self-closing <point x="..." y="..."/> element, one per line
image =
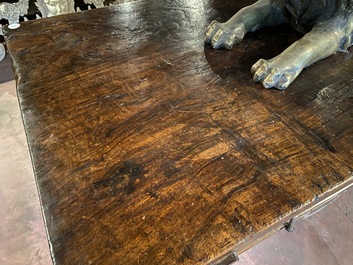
<point x="151" y="148"/>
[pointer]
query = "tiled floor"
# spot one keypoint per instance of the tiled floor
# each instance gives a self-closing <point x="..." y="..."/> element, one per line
<point x="325" y="238"/>
<point x="22" y="233"/>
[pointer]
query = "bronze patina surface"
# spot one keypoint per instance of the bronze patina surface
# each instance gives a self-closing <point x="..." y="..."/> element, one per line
<point x="328" y="25"/>
<point x="151" y="148"/>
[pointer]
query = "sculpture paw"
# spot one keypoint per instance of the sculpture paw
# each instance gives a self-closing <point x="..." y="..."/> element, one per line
<point x="222" y="36"/>
<point x="270" y="75"/>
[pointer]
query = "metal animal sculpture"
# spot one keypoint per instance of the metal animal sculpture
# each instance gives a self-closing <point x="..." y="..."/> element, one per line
<point x="328" y="25"/>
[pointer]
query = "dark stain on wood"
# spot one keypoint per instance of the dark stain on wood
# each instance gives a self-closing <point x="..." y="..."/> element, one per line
<point x="119" y="179"/>
<point x="151" y="148"/>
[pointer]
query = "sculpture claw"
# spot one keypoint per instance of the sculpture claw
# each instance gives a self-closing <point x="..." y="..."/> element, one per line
<point x="222" y="36"/>
<point x="270" y="75"/>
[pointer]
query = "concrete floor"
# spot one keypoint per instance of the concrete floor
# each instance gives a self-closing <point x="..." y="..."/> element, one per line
<point x="325" y="238"/>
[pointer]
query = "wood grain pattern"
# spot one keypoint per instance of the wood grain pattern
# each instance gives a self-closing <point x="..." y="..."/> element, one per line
<point x="151" y="148"/>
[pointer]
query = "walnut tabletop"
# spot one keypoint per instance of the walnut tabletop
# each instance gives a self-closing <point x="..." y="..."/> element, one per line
<point x="150" y="147"/>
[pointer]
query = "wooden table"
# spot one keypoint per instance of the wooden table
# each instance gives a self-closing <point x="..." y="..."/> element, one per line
<point x="151" y="148"/>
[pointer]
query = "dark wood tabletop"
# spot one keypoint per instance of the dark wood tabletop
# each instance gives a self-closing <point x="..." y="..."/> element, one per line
<point x="150" y="147"/>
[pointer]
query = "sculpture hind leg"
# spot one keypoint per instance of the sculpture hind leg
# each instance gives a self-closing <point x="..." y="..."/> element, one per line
<point x="250" y="18"/>
<point x="323" y="40"/>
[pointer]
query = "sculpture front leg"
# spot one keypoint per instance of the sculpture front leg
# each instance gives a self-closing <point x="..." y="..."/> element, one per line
<point x="279" y="72"/>
<point x="226" y="35"/>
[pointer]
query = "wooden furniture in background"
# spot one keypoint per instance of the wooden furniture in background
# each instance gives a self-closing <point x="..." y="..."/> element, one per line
<point x="150" y="148"/>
